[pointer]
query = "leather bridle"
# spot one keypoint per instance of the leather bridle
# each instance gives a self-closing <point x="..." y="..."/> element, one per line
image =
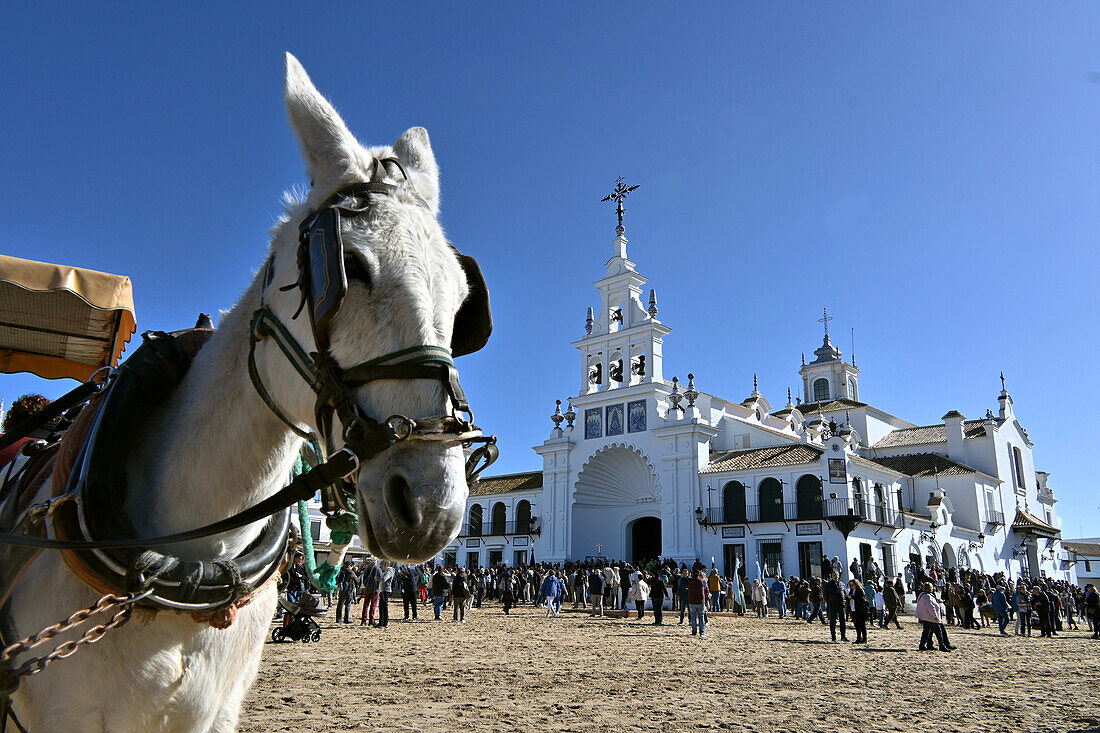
<point x="323" y="285"/>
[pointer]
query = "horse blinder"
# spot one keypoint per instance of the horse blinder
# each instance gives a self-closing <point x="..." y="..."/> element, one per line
<point x="325" y="278"/>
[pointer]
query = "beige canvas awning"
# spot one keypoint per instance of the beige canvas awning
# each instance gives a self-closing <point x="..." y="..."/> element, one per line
<point x="62" y="322"/>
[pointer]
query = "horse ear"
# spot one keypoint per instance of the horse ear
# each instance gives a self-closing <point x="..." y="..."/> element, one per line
<point x="327" y="145"/>
<point x="414" y="150"/>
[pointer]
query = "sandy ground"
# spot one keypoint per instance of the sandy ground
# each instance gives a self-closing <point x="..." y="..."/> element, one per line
<point x="523" y="672"/>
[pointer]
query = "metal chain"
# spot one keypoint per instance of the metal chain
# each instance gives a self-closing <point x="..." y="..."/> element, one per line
<point x="34" y="665"/>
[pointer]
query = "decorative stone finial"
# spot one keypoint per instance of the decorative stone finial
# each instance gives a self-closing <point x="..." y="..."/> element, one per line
<point x="652" y="303"/>
<point x="803" y="358"/>
<point x="557" y="417"/>
<point x="570" y="415"/>
<point x="691" y="393"/>
<point x="588" y="323"/>
<point x="675" y="396"/>
<point x="790" y="403"/>
<point x="755" y="383"/>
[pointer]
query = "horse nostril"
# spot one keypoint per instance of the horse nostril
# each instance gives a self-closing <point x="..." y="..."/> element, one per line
<point x="400" y="501"/>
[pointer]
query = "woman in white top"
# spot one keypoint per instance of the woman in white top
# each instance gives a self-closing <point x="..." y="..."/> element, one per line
<point x="639" y="591"/>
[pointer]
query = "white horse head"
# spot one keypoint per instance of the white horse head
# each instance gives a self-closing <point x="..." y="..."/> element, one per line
<point x="405" y="286"/>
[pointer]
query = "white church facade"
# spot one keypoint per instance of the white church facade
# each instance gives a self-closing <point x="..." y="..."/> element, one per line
<point x="640" y="466"/>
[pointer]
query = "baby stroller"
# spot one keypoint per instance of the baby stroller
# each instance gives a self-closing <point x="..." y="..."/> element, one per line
<point x="298" y="623"/>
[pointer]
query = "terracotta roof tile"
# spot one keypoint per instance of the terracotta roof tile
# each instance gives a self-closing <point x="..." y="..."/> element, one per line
<point x="770" y="457"/>
<point x="531" y="480"/>
<point x="928" y="434"/>
<point x="1026" y="522"/>
<point x="1088" y="549"/>
<point x="841" y="403"/>
<point x="924" y="464"/>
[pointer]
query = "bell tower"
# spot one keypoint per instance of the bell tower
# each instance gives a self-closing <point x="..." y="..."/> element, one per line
<point x="828" y="377"/>
<point x="623" y="339"/>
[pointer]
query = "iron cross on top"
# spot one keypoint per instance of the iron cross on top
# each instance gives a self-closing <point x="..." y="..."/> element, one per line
<point x="617" y="195"/>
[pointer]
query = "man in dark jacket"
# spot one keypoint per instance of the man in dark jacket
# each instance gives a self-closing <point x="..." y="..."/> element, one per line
<point x="347" y="587"/>
<point x="657" y="589"/>
<point x="595" y="589"/>
<point x="833" y="593"/>
<point x="439" y="586"/>
<point x="697" y="603"/>
<point x="682" y="591"/>
<point x="892" y="601"/>
<point x="407" y="583"/>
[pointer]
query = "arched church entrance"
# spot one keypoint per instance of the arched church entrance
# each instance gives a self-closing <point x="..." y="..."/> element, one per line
<point x="605" y="513"/>
<point x="645" y="540"/>
<point x="948" y="557"/>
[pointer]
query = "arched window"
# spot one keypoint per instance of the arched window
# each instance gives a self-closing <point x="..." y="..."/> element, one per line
<point x="878" y="511"/>
<point x="851" y="388"/>
<point x="1018" y="459"/>
<point x="733" y="503"/>
<point x="771" y="500"/>
<point x="499" y="515"/>
<point x="809" y="497"/>
<point x="859" y="498"/>
<point x="474" y="528"/>
<point x="523" y="517"/>
<point x="821" y="389"/>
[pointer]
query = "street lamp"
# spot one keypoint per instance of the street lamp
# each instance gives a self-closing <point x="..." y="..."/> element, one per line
<point x="701" y="520"/>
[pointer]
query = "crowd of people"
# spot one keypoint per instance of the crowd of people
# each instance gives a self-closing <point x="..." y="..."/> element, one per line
<point x="866" y="599"/>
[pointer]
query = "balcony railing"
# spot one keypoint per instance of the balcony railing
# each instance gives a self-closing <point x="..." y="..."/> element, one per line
<point x="803" y="510"/>
<point x="994" y="517"/>
<point x="499" y="529"/>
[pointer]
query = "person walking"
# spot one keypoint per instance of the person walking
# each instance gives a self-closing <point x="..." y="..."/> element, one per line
<point x="857" y="609"/>
<point x="657" y="588"/>
<point x="639" y="591"/>
<point x="1000" y="608"/>
<point x="347" y="587"/>
<point x="779" y="593"/>
<point x="507" y="592"/>
<point x="891" y="599"/>
<point x="930" y="614"/>
<point x="372" y="581"/>
<point x="596" y="589"/>
<point x="549" y="592"/>
<point x="1092" y="608"/>
<point x="580" y="587"/>
<point x="833" y="592"/>
<point x="385" y="587"/>
<point x="817" y="602"/>
<point x="460" y="593"/>
<point x="714" y="587"/>
<point x="406" y="581"/>
<point x="682" y="592"/>
<point x="439" y="586"/>
<point x="697" y="604"/>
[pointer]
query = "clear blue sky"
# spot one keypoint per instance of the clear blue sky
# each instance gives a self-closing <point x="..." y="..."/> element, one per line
<point x="930" y="173"/>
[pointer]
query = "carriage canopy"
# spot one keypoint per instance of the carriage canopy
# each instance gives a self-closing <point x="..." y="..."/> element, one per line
<point x="62" y="322"/>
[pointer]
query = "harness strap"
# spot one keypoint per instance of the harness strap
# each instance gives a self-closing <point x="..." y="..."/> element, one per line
<point x="443" y="372"/>
<point x="302" y="488"/>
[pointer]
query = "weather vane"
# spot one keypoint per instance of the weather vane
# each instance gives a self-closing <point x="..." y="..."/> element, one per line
<point x="617" y="195"/>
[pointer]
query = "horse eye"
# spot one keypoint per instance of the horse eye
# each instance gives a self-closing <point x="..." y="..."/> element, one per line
<point x="354" y="269"/>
